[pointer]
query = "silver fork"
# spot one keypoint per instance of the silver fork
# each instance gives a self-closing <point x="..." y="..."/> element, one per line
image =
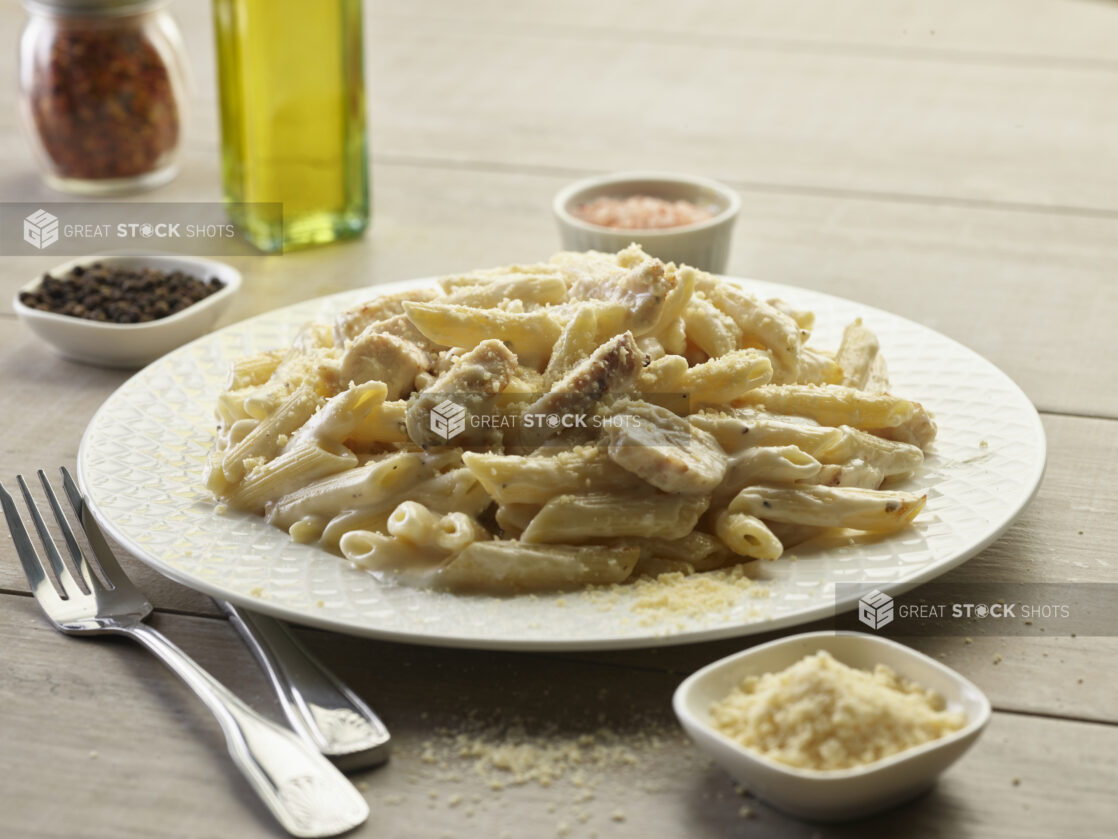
<point x="302" y="789"/>
<point x="320" y="708"/>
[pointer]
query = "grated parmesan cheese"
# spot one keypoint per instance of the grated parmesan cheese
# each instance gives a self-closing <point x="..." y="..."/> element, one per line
<point x="684" y="596"/>
<point x="694" y="595"/>
<point x="821" y="714"/>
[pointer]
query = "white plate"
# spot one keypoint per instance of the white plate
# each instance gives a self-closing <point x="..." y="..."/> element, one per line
<point x="141" y="460"/>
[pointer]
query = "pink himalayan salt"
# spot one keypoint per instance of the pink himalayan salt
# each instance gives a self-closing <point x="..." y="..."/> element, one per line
<point x="641" y="212"/>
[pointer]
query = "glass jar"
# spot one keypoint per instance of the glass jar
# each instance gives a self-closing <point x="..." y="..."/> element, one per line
<point x="102" y="93"/>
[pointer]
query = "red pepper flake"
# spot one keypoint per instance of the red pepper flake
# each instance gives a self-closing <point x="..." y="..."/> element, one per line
<point x="104" y="104"/>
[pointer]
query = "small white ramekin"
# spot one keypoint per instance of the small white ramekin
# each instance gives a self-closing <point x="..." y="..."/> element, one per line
<point x="705" y="245"/>
<point x="840" y="794"/>
<point x="131" y="345"/>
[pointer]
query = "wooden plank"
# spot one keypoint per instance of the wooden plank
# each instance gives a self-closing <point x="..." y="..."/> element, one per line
<point x="42" y="391"/>
<point x="466" y="91"/>
<point x="1032" y="292"/>
<point x="1061" y="673"/>
<point x="1022" y="134"/>
<point x="138" y="756"/>
<point x="1043" y="31"/>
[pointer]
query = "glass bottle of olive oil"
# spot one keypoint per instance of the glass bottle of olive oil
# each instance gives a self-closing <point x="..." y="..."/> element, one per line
<point x="294" y="156"/>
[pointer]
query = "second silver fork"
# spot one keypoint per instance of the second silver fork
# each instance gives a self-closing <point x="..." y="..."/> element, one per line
<point x="318" y="705"/>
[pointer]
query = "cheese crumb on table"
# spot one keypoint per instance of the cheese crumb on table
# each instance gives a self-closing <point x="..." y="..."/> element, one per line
<point x="821" y="714"/>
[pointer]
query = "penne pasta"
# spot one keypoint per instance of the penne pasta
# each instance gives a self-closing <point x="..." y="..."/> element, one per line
<point x="747" y="536"/>
<point x="579" y="518"/>
<point x="253" y="370"/>
<point x="270" y="435"/>
<point x="412" y="522"/>
<point x="833" y="405"/>
<point x="745" y="428"/>
<point x="775" y="331"/>
<point x="508" y="565"/>
<point x="369" y="487"/>
<point x="856" y="354"/>
<point x="530" y="335"/>
<point x="819" y="368"/>
<point x="294" y="467"/>
<point x="859" y="509"/>
<point x="727" y="378"/>
<point x="347" y="520"/>
<point x="582" y="421"/>
<point x="376" y="551"/>
<point x="891" y="458"/>
<point x="700" y="551"/>
<point x="766" y="464"/>
<point x="519" y="480"/>
<point x="709" y="328"/>
<point x="385" y="423"/>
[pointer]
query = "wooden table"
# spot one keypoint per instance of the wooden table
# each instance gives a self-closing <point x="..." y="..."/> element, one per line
<point x="956" y="163"/>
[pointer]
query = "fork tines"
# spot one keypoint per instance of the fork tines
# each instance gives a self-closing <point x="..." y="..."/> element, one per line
<point x="61" y="579"/>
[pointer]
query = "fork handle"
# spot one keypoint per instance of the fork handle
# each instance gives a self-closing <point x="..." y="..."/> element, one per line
<point x="318" y="706"/>
<point x="301" y="788"/>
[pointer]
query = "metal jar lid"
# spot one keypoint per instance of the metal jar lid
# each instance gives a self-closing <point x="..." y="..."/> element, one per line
<point x="91" y="8"/>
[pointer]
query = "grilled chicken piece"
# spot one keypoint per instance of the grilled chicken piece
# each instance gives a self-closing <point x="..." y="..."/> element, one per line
<point x="402" y="327"/>
<point x="352" y="322"/>
<point x="374" y="356"/>
<point x="642" y="288"/>
<point x="470" y="384"/>
<point x="611" y="368"/>
<point x="664" y="449"/>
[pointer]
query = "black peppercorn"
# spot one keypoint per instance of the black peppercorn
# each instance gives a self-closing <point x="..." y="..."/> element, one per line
<point x="118" y="295"/>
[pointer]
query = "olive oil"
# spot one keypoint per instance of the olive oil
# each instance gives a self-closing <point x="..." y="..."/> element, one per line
<point x="294" y="154"/>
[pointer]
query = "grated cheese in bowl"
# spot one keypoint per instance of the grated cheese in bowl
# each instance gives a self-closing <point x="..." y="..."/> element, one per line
<point x="821" y="714"/>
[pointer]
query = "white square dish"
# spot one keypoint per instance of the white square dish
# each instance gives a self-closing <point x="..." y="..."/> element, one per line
<point x="831" y="795"/>
<point x="131" y="344"/>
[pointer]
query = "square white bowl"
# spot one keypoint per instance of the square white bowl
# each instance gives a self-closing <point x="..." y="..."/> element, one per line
<point x="839" y="794"/>
<point x="131" y="345"/>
